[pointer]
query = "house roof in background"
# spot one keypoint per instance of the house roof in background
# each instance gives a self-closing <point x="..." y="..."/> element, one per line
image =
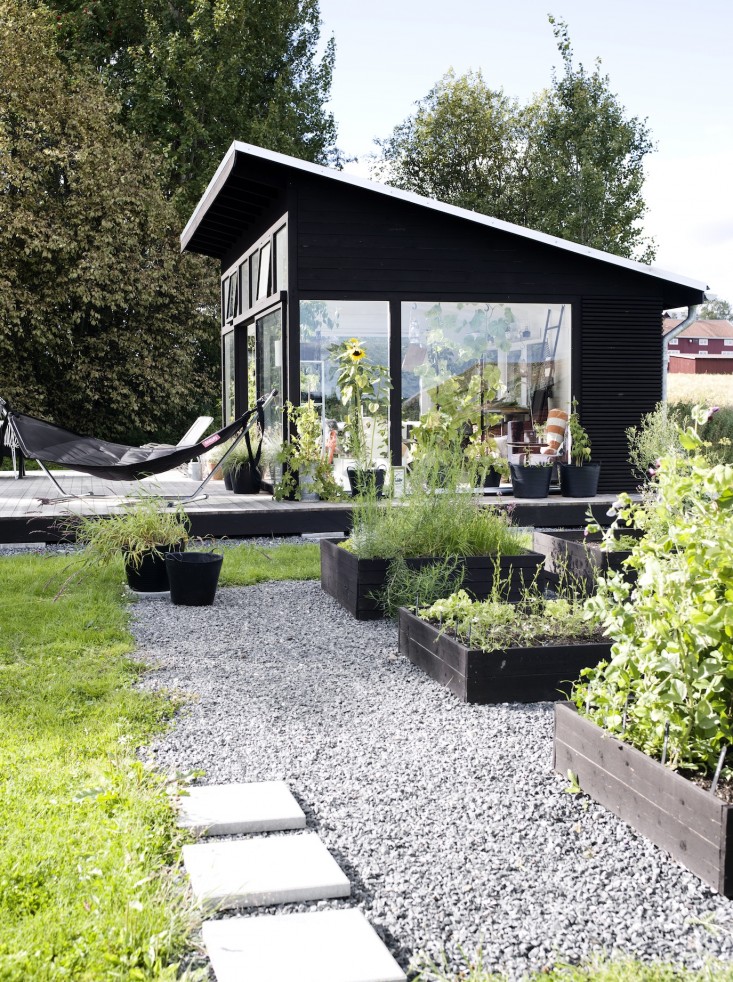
<point x="230" y="179"/>
<point x="700" y="329"/>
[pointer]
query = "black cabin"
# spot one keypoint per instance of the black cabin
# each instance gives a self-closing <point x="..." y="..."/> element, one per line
<point x="312" y="256"/>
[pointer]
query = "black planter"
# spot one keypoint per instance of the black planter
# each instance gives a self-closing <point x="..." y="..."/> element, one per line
<point x="193" y="577"/>
<point x="579" y="482"/>
<point x="492" y="479"/>
<point x="364" y="481"/>
<point x="228" y="481"/>
<point x="692" y="825"/>
<point x="150" y="576"/>
<point x="246" y="480"/>
<point x="532" y="674"/>
<point x="530" y="482"/>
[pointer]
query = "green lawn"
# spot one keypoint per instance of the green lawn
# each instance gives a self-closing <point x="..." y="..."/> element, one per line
<point x="90" y="882"/>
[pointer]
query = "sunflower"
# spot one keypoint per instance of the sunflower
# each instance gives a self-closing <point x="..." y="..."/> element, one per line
<point x="356" y="353"/>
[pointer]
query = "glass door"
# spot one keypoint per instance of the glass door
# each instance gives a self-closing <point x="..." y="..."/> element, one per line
<point x="268" y="355"/>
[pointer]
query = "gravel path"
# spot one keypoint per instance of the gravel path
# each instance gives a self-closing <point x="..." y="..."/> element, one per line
<point x="447" y="818"/>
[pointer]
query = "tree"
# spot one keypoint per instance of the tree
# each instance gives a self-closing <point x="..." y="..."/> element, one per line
<point x="716" y="310"/>
<point x="586" y="161"/>
<point x="101" y="323"/>
<point x="463" y="145"/>
<point x="570" y="163"/>
<point x="191" y="76"/>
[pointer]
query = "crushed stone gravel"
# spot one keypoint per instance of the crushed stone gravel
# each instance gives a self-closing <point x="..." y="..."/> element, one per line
<point x="447" y="818"/>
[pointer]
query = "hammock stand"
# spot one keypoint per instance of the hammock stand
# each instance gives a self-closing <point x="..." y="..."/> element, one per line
<point x="29" y="438"/>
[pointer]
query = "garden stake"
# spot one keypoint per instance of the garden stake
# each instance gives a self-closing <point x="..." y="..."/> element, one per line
<point x="623" y="718"/>
<point x="718" y="769"/>
<point x="666" y="740"/>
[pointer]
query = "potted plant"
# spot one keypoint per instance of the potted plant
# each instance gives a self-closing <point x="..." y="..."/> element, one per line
<point x="531" y="476"/>
<point x="653" y="725"/>
<point x="144" y="531"/>
<point x="242" y="466"/>
<point x="579" y="478"/>
<point x="307" y="474"/>
<point x="361" y="385"/>
<point x="491" y="651"/>
<point x="484" y="454"/>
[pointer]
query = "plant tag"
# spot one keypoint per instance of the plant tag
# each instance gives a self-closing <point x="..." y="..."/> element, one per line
<point x="398" y="482"/>
<point x="718" y="769"/>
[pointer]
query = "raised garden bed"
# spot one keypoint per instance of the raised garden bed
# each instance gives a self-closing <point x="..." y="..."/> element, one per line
<point x="353" y="582"/>
<point x="510" y="675"/>
<point x="694" y="826"/>
<point x="580" y="554"/>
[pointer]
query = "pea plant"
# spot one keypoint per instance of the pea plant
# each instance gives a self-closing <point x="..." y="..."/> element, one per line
<point x="669" y="683"/>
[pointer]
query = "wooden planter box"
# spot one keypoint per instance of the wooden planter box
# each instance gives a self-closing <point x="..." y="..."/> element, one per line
<point x="581" y="555"/>
<point x="511" y="675"/>
<point x="692" y="825"/>
<point x="353" y="581"/>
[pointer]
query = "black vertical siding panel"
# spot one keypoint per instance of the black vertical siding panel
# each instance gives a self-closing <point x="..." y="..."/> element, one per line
<point x="620" y="377"/>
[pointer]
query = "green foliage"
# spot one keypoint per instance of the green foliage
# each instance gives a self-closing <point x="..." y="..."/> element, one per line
<point x="192" y="75"/>
<point x="432" y="520"/>
<point x="570" y="163"/>
<point x="656" y="436"/>
<point x="718" y="430"/>
<point x="405" y="584"/>
<point x="716" y="310"/>
<point x="493" y="624"/>
<point x="104" y="326"/>
<point x="90" y="882"/>
<point x="579" y="439"/>
<point x="362" y="385"/>
<point x="673" y="629"/>
<point x="145" y="525"/>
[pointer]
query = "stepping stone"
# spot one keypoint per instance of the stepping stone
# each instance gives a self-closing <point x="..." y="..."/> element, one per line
<point x="239" y="809"/>
<point x="262" y="871"/>
<point x="327" y="946"/>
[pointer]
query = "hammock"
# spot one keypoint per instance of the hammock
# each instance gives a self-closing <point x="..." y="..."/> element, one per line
<point x="36" y="439"/>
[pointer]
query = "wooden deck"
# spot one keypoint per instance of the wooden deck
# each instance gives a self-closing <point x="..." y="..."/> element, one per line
<point x="28" y="513"/>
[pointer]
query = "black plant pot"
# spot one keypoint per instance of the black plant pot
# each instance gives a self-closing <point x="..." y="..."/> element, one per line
<point x="246" y="480"/>
<point x="579" y="482"/>
<point x="193" y="577"/>
<point x="228" y="481"/>
<point x="366" y="480"/>
<point x="151" y="575"/>
<point x="530" y="482"/>
<point x="492" y="479"/>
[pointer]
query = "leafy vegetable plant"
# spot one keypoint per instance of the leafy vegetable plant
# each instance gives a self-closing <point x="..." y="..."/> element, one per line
<point x="672" y="630"/>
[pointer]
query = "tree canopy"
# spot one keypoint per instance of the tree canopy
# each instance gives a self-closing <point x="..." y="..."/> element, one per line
<point x="101" y="323"/>
<point x="716" y="310"/>
<point x="190" y="76"/>
<point x="569" y="163"/>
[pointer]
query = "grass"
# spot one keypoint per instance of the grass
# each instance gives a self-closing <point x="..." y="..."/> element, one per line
<point x="596" y="970"/>
<point x="90" y="883"/>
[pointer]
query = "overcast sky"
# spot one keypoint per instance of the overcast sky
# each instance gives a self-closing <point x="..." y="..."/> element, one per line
<point x="668" y="62"/>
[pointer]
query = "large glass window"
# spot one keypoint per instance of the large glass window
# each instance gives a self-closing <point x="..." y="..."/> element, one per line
<point x="264" y="277"/>
<point x="227" y="358"/>
<point x="281" y="260"/>
<point x="325" y="324"/>
<point x="529" y="345"/>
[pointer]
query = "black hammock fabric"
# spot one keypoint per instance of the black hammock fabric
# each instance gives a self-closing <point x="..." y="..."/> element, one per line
<point x="39" y="440"/>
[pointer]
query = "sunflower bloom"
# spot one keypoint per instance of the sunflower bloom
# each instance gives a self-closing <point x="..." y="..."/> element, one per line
<point x="356" y="353"/>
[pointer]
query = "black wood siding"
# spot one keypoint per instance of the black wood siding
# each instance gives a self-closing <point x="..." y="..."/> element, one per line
<point x="618" y="351"/>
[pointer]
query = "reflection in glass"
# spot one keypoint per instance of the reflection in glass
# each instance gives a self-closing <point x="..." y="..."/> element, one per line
<point x="244" y="281"/>
<point x="529" y="344"/>
<point x="228" y="377"/>
<point x="323" y="324"/>
<point x="268" y="339"/>
<point x="263" y="277"/>
<point x="281" y="260"/>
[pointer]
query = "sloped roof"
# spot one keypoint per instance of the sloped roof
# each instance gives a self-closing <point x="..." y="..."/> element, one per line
<point x="700" y="329"/>
<point x="204" y="229"/>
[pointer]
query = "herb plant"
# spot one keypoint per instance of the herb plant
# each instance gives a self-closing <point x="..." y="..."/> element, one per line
<point x="673" y="629"/>
<point x="579" y="439"/>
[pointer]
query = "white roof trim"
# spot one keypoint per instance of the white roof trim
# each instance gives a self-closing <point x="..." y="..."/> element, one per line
<point x="409" y="196"/>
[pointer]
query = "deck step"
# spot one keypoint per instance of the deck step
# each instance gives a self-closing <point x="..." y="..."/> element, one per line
<point x="240" y="809"/>
<point x="324" y="946"/>
<point x="261" y="871"/>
